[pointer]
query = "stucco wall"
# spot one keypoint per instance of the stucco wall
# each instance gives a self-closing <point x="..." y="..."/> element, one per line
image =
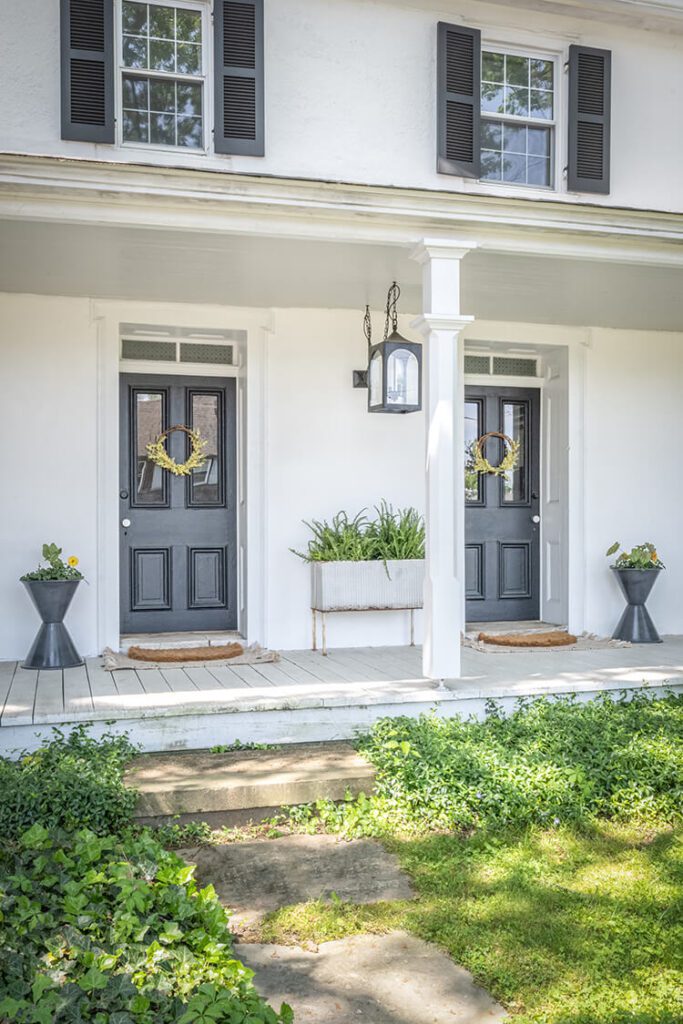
<point x="634" y="486"/>
<point x="326" y="453"/>
<point x="48" y="396"/>
<point x="350" y="94"/>
<point x="323" y="452"/>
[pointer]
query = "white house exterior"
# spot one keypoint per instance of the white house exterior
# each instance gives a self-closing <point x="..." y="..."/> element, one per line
<point x="236" y="236"/>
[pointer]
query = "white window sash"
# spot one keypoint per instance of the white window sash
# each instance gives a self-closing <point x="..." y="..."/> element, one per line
<point x="533" y="122"/>
<point x="205" y="79"/>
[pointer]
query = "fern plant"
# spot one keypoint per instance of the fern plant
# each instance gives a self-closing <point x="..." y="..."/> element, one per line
<point x="393" y="534"/>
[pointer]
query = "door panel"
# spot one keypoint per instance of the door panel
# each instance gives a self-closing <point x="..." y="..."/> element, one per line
<point x="178" y="555"/>
<point x="501" y="539"/>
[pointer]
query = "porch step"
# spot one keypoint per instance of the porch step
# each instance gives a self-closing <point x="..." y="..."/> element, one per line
<point x="238" y="785"/>
<point x="155" y="641"/>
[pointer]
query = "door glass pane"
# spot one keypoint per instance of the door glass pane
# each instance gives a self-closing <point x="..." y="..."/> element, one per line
<point x="472" y="433"/>
<point x="149" y="423"/>
<point x="206" y="481"/>
<point x="515" y="481"/>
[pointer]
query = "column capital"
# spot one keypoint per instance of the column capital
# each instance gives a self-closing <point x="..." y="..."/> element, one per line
<point x="440" y="322"/>
<point x="441" y="248"/>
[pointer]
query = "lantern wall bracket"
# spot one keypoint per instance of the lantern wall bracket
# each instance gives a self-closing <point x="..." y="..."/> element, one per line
<point x="360" y="378"/>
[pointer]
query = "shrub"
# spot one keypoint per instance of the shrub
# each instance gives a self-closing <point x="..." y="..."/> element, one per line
<point x="550" y="762"/>
<point x="71" y="783"/>
<point x="115" y="931"/>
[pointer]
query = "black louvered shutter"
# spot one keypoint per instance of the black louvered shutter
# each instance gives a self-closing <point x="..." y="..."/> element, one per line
<point x="87" y="56"/>
<point x="458" y="103"/>
<point x="238" y="56"/>
<point x="589" y="119"/>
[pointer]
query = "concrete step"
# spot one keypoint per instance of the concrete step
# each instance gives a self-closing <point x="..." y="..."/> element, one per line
<point x="244" y="785"/>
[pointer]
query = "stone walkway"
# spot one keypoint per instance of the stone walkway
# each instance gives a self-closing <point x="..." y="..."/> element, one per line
<point x="253" y="878"/>
<point x="381" y="979"/>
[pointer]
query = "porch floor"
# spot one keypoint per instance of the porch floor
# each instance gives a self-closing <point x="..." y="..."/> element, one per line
<point x="306" y="695"/>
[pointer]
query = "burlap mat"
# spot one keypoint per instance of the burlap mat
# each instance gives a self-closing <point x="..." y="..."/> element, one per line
<point x="253" y="655"/>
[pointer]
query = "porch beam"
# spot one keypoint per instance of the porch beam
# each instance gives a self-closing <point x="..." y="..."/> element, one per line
<point x="441" y="325"/>
<point x="77" y="191"/>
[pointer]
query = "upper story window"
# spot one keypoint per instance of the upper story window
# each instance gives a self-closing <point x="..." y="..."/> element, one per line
<point x="163" y="73"/>
<point x="517" y="119"/>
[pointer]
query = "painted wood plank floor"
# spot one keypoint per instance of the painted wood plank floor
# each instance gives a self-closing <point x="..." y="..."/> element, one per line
<point x="300" y="678"/>
<point x="306" y="679"/>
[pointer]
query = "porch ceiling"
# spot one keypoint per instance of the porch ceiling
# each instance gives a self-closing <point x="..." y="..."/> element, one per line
<point x="242" y="270"/>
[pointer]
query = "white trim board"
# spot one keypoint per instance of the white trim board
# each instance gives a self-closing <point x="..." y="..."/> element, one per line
<point x="304" y="724"/>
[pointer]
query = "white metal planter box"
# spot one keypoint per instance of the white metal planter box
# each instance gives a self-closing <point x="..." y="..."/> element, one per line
<point x="365" y="586"/>
<point x="362" y="586"/>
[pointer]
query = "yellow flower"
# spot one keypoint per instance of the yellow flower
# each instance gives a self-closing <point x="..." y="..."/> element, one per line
<point x="73" y="561"/>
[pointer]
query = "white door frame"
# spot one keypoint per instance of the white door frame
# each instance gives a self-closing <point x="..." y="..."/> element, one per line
<point x="107" y="317"/>
<point x="561" y="349"/>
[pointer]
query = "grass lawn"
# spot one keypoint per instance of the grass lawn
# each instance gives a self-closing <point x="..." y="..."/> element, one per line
<point x="546" y="852"/>
<point x="561" y="927"/>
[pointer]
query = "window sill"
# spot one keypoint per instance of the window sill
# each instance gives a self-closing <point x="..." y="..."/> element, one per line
<point x="151" y="147"/>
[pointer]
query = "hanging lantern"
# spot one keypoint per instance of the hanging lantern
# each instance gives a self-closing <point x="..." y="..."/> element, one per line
<point x="394" y="365"/>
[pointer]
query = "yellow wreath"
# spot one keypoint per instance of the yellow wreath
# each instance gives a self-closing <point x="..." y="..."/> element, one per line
<point x="156" y="451"/>
<point x="508" y="462"/>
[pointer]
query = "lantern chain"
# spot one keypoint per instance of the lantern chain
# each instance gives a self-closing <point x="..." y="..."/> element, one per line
<point x="391" y="310"/>
<point x="367" y="325"/>
<point x="391" y="315"/>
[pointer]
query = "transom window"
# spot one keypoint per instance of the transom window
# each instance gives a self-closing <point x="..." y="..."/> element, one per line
<point x="162" y="74"/>
<point x="517" y="118"/>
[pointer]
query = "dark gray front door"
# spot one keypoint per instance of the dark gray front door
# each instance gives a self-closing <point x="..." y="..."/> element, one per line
<point x="178" y="533"/>
<point x="501" y="512"/>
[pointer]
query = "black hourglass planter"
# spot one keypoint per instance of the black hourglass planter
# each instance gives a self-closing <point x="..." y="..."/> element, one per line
<point x="635" y="625"/>
<point x="52" y="647"/>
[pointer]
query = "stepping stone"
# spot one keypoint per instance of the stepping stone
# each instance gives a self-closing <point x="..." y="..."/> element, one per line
<point x="253" y="878"/>
<point x="204" y="784"/>
<point x="380" y="979"/>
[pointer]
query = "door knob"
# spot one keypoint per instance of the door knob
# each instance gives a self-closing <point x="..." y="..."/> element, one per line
<point x="125" y="523"/>
<point x="535" y="519"/>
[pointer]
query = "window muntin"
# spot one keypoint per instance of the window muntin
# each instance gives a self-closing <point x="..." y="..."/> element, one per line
<point x="162" y="74"/>
<point x="517" y="126"/>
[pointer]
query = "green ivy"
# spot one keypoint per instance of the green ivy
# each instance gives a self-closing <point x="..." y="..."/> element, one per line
<point x="70" y="782"/>
<point x="115" y="931"/>
<point x="553" y="761"/>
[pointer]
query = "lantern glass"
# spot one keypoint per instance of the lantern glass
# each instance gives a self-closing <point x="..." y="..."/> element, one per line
<point x="375" y="379"/>
<point x="403" y="378"/>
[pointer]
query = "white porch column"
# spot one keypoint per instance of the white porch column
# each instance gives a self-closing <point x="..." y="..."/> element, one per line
<point x="441" y="324"/>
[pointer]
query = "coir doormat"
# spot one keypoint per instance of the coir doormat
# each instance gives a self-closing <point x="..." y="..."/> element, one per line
<point x="159" y="657"/>
<point x="553" y="638"/>
<point x="171" y="655"/>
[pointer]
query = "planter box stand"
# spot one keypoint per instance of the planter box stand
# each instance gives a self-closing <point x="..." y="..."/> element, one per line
<point x="364" y="587"/>
<point x="317" y="611"/>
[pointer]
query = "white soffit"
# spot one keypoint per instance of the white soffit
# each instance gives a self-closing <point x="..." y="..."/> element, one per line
<point x="242" y="271"/>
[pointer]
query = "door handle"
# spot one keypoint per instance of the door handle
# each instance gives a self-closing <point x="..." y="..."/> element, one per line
<point x="125" y="523"/>
<point x="536" y="519"/>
